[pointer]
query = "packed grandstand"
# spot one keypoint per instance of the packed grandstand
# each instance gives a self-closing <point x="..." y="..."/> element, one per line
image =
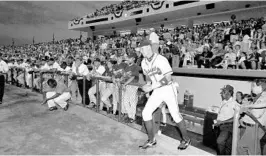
<point x="240" y="44"/>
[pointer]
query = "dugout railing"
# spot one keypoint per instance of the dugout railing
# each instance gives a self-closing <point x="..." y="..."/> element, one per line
<point x="108" y="80"/>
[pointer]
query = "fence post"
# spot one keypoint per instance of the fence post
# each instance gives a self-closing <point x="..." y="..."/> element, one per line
<point x="12" y="73"/>
<point x="97" y="95"/>
<point x="17" y="70"/>
<point x="41" y="77"/>
<point x="84" y="89"/>
<point x="43" y="94"/>
<point x="235" y="132"/>
<point x="32" y="79"/>
<point x="120" y="101"/>
<point x="25" y="81"/>
<point x="256" y="139"/>
<point x="66" y="79"/>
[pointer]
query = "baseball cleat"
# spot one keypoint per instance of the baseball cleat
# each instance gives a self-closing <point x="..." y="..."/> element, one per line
<point x="148" y="144"/>
<point x="184" y="144"/>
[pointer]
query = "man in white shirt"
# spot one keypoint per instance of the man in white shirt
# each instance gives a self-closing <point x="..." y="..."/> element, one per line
<point x="3" y="70"/>
<point x="98" y="70"/>
<point x="224" y="120"/>
<point x="154" y="39"/>
<point x="79" y="69"/>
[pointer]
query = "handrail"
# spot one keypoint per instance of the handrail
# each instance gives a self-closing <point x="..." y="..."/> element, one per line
<point x="236" y="129"/>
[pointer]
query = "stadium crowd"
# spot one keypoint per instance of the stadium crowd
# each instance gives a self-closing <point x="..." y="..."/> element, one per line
<point x="236" y="44"/>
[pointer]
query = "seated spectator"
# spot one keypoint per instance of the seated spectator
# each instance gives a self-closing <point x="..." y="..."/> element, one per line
<point x="263" y="59"/>
<point x="218" y="55"/>
<point x="253" y="59"/>
<point x="56" y="94"/>
<point x="204" y="58"/>
<point x="229" y="60"/>
<point x="242" y="61"/>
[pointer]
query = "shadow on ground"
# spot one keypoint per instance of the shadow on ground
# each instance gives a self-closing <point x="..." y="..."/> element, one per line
<point x="28" y="128"/>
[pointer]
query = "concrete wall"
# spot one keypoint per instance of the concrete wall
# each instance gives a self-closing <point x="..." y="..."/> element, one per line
<point x="207" y="91"/>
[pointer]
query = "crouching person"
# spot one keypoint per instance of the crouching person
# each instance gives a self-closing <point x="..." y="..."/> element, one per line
<point x="56" y="94"/>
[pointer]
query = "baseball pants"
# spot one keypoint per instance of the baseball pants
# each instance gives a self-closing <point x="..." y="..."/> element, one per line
<point x="116" y="95"/>
<point x="9" y="75"/>
<point x="60" y="100"/>
<point x="21" y="79"/>
<point x="167" y="94"/>
<point x="92" y="91"/>
<point x="107" y="92"/>
<point x="130" y="100"/>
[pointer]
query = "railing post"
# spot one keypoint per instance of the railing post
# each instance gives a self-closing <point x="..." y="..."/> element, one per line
<point x="84" y="89"/>
<point x="12" y="75"/>
<point x="120" y="101"/>
<point x="32" y="79"/>
<point x="97" y="95"/>
<point x="256" y="139"/>
<point x="25" y="81"/>
<point x="66" y="79"/>
<point x="43" y="94"/>
<point x="235" y="132"/>
<point x="41" y="77"/>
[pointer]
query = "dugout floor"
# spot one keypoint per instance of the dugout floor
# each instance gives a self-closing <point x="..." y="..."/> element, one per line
<point x="28" y="128"/>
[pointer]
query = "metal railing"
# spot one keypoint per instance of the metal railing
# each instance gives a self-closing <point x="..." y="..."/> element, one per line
<point x="98" y="96"/>
<point x="109" y="80"/>
<point x="236" y="131"/>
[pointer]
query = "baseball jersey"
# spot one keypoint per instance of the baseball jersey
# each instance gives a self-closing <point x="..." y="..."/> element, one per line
<point x="130" y="71"/>
<point x="157" y="68"/>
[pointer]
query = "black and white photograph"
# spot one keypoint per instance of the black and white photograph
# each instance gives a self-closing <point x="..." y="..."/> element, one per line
<point x="131" y="77"/>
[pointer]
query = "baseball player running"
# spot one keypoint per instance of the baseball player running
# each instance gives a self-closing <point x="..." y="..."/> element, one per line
<point x="158" y="72"/>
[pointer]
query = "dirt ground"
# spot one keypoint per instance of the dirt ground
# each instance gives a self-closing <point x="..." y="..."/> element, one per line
<point x="26" y="127"/>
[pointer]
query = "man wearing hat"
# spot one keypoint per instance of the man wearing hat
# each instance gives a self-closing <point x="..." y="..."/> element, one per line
<point x="118" y="71"/>
<point x="159" y="81"/>
<point x="154" y="39"/>
<point x="3" y="70"/>
<point x="98" y="70"/>
<point x="130" y="97"/>
<point x="224" y="121"/>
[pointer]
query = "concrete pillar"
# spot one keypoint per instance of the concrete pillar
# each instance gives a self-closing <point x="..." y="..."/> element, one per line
<point x="90" y="34"/>
<point x="190" y="23"/>
<point x="134" y="30"/>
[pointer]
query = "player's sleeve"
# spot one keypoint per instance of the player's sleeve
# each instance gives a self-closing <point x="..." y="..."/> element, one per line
<point x="142" y="67"/>
<point x="165" y="67"/>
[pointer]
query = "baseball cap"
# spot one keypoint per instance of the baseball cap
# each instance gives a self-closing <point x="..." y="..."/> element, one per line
<point x="144" y="43"/>
<point x="228" y="88"/>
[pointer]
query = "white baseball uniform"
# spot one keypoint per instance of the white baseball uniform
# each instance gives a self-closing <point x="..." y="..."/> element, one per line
<point x="156" y="69"/>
